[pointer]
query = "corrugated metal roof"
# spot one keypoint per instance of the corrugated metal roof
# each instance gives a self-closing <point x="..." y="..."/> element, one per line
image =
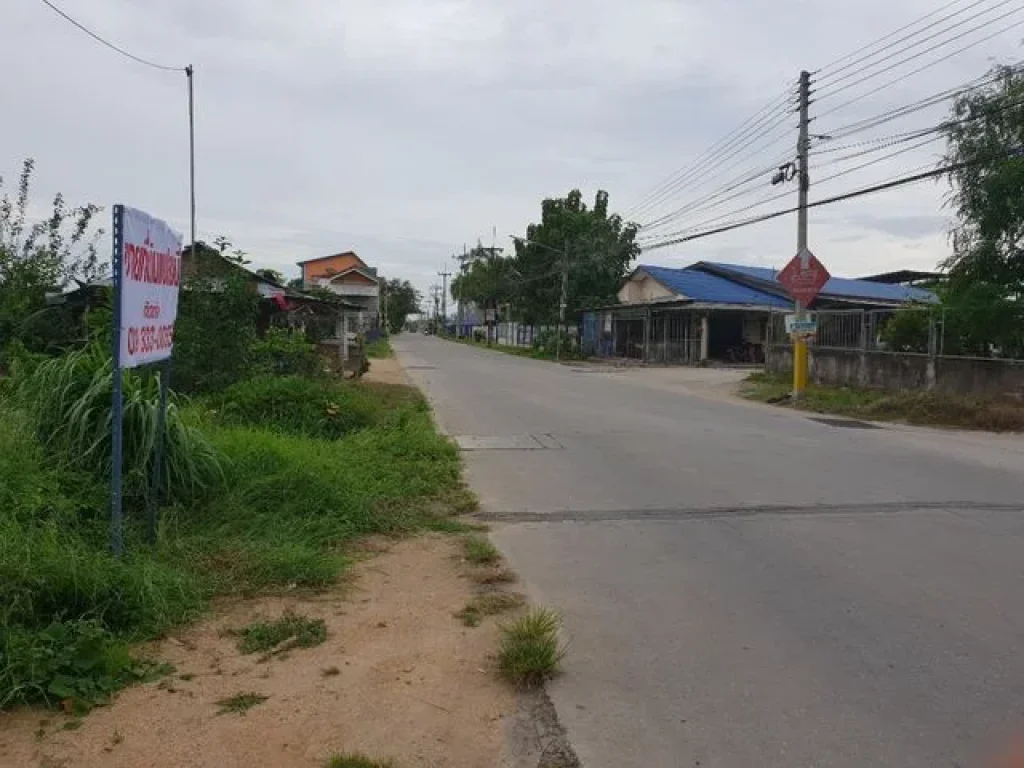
<point x="839" y="287"/>
<point x="705" y="287"/>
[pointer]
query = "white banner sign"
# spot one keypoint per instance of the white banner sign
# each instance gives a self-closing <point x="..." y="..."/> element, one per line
<point x="150" y="277"/>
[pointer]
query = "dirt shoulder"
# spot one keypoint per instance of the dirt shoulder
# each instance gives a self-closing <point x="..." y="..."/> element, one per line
<point x="386" y="370"/>
<point x="398" y="677"/>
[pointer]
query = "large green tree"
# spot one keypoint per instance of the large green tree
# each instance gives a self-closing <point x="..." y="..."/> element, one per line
<point x="402" y="300"/>
<point x="592" y="247"/>
<point x="985" y="146"/>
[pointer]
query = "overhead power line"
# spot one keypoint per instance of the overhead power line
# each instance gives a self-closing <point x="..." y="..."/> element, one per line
<point x="823" y="70"/>
<point x="899" y="182"/>
<point x="747" y="133"/>
<point x="923" y="67"/>
<point x="824" y="79"/>
<point x="107" y="43"/>
<point x="894" y="114"/>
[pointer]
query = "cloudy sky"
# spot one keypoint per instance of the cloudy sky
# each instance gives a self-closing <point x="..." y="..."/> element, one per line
<point x="405" y="128"/>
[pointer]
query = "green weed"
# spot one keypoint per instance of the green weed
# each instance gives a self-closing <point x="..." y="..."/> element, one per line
<point x="263" y="636"/>
<point x="530" y="651"/>
<point x="489" y="604"/>
<point x="379" y="349"/>
<point x="322" y="408"/>
<point x="240" y="703"/>
<point x="330" y="672"/>
<point x="357" y="761"/>
<point x="479" y="551"/>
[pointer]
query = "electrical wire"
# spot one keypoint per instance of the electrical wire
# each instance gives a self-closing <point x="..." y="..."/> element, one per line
<point x="892" y="34"/>
<point x="875" y="161"/>
<point x="107" y="43"/>
<point x="930" y="101"/>
<point x="825" y="78"/>
<point x="928" y="65"/>
<point x="709" y="200"/>
<point x="874" y="189"/>
<point x="744" y="144"/>
<point x="749" y="131"/>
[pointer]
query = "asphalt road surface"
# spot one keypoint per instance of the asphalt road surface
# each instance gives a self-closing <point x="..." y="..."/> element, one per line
<point x="743" y="585"/>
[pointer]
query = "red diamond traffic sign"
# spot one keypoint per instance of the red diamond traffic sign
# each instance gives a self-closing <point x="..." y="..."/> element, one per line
<point x="804" y="277"/>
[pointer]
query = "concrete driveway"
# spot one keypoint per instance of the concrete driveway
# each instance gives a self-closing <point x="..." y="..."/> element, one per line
<point x="741" y="585"/>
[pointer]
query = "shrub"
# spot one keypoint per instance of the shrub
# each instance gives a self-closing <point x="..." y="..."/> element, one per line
<point x="530" y="651"/>
<point x="79" y="661"/>
<point x="285" y="353"/>
<point x="69" y="399"/>
<point x="545" y="344"/>
<point x="311" y="407"/>
<point x="214" y="333"/>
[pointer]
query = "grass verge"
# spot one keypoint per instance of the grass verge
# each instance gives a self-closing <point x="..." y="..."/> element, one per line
<point x="283" y="509"/>
<point x="530" y="651"/>
<point x="920" y="408"/>
<point x="379" y="349"/>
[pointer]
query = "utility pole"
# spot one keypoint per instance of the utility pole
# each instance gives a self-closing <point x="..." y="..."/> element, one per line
<point x="563" y="300"/>
<point x="804" y="182"/>
<point x="433" y="292"/>
<point x="444" y="274"/>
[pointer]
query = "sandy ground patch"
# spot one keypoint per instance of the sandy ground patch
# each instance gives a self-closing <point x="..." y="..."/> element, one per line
<point x="386" y="370"/>
<point x="412" y="684"/>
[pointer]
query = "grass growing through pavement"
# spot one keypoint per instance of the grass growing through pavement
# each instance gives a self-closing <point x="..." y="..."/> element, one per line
<point x="357" y="761"/>
<point x="261" y="636"/>
<point x="922" y="408"/>
<point x="479" y="551"/>
<point x="489" y="604"/>
<point x="240" y="703"/>
<point x="530" y="651"/>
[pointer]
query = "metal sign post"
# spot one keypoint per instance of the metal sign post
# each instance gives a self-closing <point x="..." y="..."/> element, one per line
<point x="146" y="266"/>
<point x="117" y="414"/>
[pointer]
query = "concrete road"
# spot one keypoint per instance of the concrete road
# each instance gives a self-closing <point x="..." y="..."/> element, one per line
<point x="743" y="585"/>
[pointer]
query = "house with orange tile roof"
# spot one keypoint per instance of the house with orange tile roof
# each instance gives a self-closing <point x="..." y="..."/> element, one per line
<point x="348" y="276"/>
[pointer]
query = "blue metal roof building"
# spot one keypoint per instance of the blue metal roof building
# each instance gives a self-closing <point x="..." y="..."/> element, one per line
<point x="715" y="311"/>
<point x="737" y="285"/>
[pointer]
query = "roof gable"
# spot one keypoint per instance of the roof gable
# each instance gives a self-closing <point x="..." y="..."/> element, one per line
<point x="348" y="258"/>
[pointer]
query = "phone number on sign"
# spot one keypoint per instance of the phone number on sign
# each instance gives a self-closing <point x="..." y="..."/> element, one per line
<point x="149" y="338"/>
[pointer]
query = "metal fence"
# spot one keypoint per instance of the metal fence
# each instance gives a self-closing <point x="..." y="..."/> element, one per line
<point x="904" y="330"/>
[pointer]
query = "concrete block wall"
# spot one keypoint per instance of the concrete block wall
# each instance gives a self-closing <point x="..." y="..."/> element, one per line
<point x="901" y="372"/>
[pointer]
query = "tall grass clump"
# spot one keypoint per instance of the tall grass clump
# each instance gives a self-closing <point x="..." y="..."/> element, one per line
<point x="318" y="407"/>
<point x="69" y="399"/>
<point x="68" y="607"/>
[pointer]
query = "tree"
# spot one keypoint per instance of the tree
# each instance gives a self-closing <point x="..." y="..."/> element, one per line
<point x="272" y="275"/>
<point x="594" y="247"/>
<point x="402" y="300"/>
<point x="986" y="271"/>
<point x="46" y="256"/>
<point x="487" y="278"/>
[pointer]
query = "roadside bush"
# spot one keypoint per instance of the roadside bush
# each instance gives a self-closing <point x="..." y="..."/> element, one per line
<point x="545" y="344"/>
<point x="284" y="353"/>
<point x="68" y="605"/>
<point x="312" y="407"/>
<point x="69" y="400"/>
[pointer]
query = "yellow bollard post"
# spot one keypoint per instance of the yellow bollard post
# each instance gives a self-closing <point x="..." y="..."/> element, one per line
<point x="799" y="367"/>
